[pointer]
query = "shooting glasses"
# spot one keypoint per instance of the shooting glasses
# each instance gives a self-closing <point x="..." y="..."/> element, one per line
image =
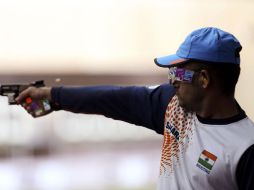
<point x="180" y="74"/>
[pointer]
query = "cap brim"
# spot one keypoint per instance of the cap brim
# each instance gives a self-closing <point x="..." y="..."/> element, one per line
<point x="169" y="61"/>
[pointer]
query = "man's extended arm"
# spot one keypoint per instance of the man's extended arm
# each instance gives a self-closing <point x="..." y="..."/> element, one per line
<point x="137" y="105"/>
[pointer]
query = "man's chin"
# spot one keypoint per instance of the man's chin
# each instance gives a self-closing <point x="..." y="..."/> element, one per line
<point x="185" y="107"/>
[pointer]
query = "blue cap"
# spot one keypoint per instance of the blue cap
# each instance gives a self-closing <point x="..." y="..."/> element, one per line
<point x="206" y="44"/>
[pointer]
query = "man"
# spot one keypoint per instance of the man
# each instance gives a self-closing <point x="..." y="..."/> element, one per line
<point x="208" y="139"/>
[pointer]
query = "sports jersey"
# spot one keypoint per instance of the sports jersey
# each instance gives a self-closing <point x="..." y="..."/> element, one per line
<point x="201" y="156"/>
<point x="197" y="152"/>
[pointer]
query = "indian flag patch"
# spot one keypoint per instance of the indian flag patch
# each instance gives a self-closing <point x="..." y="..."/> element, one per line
<point x="206" y="161"/>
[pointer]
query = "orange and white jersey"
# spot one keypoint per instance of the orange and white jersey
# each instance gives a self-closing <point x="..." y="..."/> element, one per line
<point x="198" y="155"/>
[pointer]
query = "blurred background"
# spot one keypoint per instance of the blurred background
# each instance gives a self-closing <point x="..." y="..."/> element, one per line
<point x="81" y="42"/>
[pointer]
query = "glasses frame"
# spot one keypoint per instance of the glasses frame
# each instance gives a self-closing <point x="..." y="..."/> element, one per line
<point x="180" y="74"/>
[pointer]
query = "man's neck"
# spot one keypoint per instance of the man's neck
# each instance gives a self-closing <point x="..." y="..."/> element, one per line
<point x="218" y="107"/>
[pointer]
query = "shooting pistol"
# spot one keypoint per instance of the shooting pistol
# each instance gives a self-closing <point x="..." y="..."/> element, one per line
<point x="13" y="90"/>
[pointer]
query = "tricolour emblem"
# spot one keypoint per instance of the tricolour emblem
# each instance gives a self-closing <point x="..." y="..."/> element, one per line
<point x="206" y="161"/>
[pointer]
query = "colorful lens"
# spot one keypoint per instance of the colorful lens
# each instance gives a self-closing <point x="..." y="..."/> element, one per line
<point x="180" y="74"/>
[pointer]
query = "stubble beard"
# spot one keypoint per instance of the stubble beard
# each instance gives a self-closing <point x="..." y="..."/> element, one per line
<point x="192" y="105"/>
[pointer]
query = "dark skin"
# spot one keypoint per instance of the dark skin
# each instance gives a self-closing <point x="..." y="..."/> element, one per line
<point x="204" y="97"/>
<point x="35" y="94"/>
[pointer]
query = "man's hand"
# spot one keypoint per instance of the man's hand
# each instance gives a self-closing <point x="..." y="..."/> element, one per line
<point x="36" y="100"/>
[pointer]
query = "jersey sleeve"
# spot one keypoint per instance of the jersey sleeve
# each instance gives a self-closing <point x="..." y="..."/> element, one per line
<point x="144" y="106"/>
<point x="245" y="170"/>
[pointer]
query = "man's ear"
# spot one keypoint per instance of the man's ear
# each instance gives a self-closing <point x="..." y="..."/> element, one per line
<point x="204" y="78"/>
